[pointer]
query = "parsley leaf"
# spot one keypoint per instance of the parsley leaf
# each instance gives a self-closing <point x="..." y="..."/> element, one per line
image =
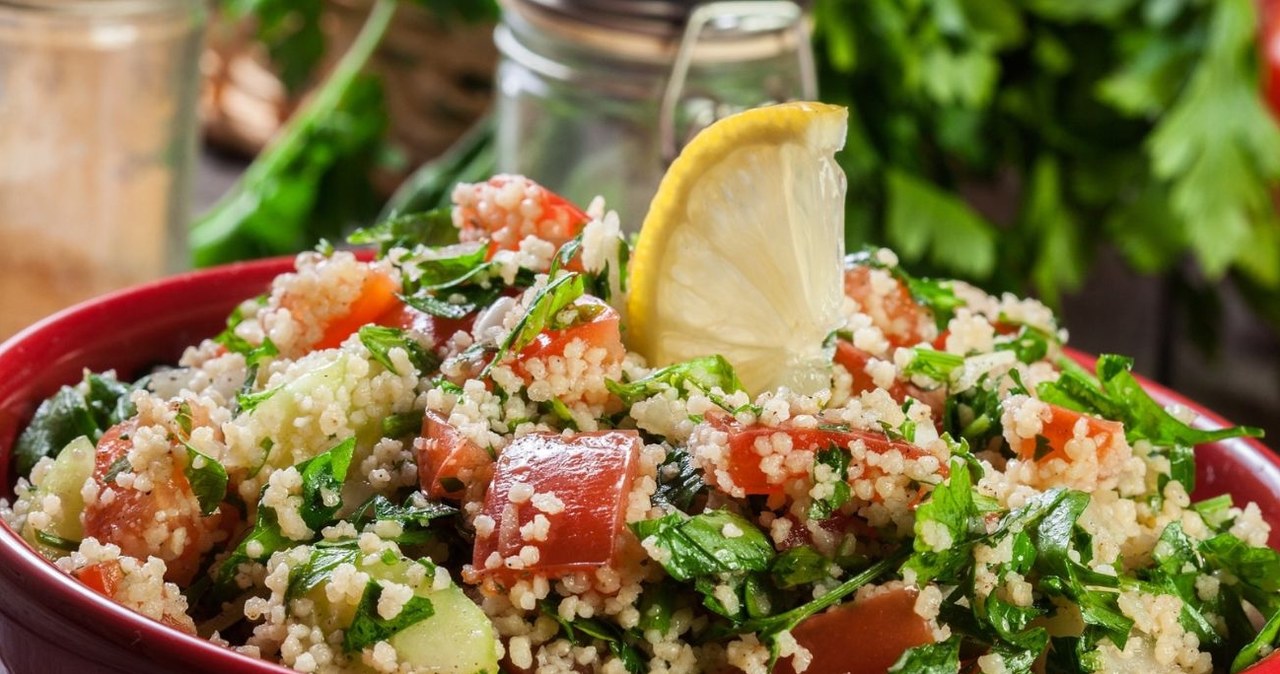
<point x="208" y="479"/>
<point x="934" y="364"/>
<point x="1116" y="394"/>
<point x="99" y="403"/>
<point x="545" y="306"/>
<point x="939" y="658"/>
<point x="835" y="462"/>
<point x="380" y="340"/>
<point x="414" y="515"/>
<point x="368" y="627"/>
<point x="428" y="228"/>
<point x="322" y="478"/>
<point x="698" y="545"/>
<point x="701" y="374"/>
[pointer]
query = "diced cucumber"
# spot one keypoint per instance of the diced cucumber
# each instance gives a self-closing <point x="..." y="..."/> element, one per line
<point x="457" y="639"/>
<point x="65" y="480"/>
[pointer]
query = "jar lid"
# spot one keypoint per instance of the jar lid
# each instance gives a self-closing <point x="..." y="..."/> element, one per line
<point x="660" y="18"/>
<point x="652" y="30"/>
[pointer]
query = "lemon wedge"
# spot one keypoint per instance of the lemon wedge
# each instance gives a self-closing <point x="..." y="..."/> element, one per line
<point x="740" y="254"/>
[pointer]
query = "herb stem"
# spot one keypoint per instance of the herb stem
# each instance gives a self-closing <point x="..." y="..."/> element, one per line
<point x="788" y="620"/>
<point x="221" y="222"/>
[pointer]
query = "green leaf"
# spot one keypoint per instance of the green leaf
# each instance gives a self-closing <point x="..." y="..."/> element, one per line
<point x="1060" y="253"/>
<point x="679" y="480"/>
<point x="580" y="632"/>
<point x="99" y="403"/>
<point x="368" y="627"/>
<point x="699" y="374"/>
<point x="939" y="658"/>
<point x="322" y="479"/>
<point x="934" y="364"/>
<point x="414" y="515"/>
<point x="208" y="479"/>
<point x="320" y="566"/>
<point x="698" y="546"/>
<point x="409" y="230"/>
<point x="1116" y="394"/>
<point x="290" y="196"/>
<point x="950" y="508"/>
<point x="798" y="566"/>
<point x="925" y="222"/>
<point x="56" y="542"/>
<point x="380" y="340"/>
<point x="1264" y="642"/>
<point x="836" y="460"/>
<point x="1217" y="145"/>
<point x="248" y="402"/>
<point x="400" y="425"/>
<point x="546" y="305"/>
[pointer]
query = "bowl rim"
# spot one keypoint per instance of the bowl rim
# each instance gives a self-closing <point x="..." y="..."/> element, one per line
<point x="98" y="614"/>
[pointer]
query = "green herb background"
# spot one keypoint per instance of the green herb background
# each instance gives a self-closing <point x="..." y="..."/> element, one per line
<point x="1131" y="125"/>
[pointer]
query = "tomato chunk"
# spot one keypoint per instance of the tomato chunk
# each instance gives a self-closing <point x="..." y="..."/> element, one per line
<point x="589" y="476"/>
<point x="103" y="577"/>
<point x="863" y="637"/>
<point x="744" y="461"/>
<point x="902" y="320"/>
<point x="855" y="360"/>
<point x="449" y="465"/>
<point x="377" y="297"/>
<point x="507" y="208"/>
<point x="405" y="317"/>
<point x="1059" y="429"/>
<point x="597" y="327"/>
<point x="164" y="521"/>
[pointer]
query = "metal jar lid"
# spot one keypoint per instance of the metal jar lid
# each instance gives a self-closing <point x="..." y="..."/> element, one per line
<point x="653" y="31"/>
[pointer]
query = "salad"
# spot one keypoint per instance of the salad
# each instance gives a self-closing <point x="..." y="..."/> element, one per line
<point x="450" y="457"/>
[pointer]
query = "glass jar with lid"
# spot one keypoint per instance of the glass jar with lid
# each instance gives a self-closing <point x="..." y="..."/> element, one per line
<point x="596" y="97"/>
<point x="97" y="140"/>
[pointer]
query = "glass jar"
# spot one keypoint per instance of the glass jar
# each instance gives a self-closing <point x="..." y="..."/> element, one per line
<point x="97" y="139"/>
<point x="596" y="97"/>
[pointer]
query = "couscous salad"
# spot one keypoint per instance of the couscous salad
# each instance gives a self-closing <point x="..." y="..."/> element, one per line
<point x="447" y="459"/>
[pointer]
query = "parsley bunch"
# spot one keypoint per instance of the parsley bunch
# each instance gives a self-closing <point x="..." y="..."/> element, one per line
<point x="1131" y="124"/>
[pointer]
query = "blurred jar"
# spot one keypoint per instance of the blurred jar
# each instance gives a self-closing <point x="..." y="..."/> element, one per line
<point x="97" y="139"/>
<point x="598" y="96"/>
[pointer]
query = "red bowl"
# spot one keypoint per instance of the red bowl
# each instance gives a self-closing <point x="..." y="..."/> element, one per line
<point x="50" y="623"/>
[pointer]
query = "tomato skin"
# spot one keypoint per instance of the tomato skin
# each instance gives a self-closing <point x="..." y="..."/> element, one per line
<point x="1060" y="429"/>
<point x="603" y="329"/>
<point x="865" y="637"/>
<point x="125" y="518"/>
<point x="405" y="317"/>
<point x="591" y="474"/>
<point x="449" y="465"/>
<point x="855" y="360"/>
<point x="744" y="461"/>
<point x="480" y="214"/>
<point x="902" y="320"/>
<point x="377" y="297"/>
<point x="103" y="577"/>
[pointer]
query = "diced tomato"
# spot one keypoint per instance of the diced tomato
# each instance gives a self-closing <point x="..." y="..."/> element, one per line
<point x="126" y="518"/>
<point x="405" y="317"/>
<point x="590" y="473"/>
<point x="377" y="297"/>
<point x="744" y="461"/>
<point x="902" y="320"/>
<point x="449" y="465"/>
<point x="864" y="637"/>
<point x="1060" y="428"/>
<point x="855" y="361"/>
<point x="103" y="577"/>
<point x="599" y="327"/>
<point x="480" y="212"/>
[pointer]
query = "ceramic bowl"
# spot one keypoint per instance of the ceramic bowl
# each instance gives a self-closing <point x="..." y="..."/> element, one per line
<point x="51" y="623"/>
